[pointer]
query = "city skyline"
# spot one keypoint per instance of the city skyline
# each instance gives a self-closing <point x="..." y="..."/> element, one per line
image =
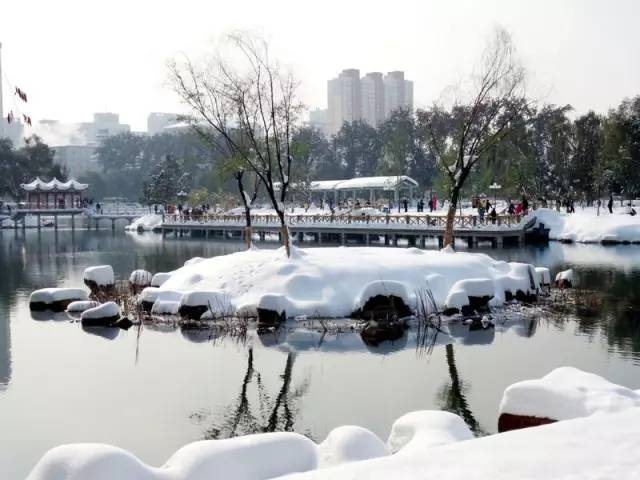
<point x="123" y="67"/>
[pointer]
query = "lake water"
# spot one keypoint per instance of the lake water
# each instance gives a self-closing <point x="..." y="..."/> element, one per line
<point x="153" y="390"/>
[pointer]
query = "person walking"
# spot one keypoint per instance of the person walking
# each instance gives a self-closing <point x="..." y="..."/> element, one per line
<point x="405" y="204"/>
<point x="610" y="203"/>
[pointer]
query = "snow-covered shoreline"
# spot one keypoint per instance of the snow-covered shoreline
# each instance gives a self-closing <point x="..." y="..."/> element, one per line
<point x="421" y="444"/>
<point x="586" y="226"/>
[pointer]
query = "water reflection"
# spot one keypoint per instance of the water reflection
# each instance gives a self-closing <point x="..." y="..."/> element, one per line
<point x="269" y="413"/>
<point x="453" y="395"/>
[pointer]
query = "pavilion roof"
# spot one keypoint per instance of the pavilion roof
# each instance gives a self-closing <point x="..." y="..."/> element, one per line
<point x="54" y="185"/>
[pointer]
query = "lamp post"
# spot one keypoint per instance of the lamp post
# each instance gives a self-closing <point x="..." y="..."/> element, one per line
<point x="495" y="187"/>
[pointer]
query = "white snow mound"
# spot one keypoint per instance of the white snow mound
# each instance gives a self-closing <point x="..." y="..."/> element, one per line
<point x="105" y="310"/>
<point x="140" y="278"/>
<point x="567" y="393"/>
<point x="81" y="306"/>
<point x="426" y="428"/>
<point x="585" y="226"/>
<point x="159" y="278"/>
<point x="329" y="282"/>
<point x="349" y="444"/>
<point x="102" y="275"/>
<point x="52" y="295"/>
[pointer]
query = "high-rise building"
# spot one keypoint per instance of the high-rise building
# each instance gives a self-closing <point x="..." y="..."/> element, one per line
<point x="372" y="98"/>
<point x="398" y="92"/>
<point x="343" y="99"/>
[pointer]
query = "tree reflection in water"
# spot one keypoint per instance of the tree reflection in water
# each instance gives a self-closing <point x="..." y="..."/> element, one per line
<point x="270" y="414"/>
<point x="452" y="395"/>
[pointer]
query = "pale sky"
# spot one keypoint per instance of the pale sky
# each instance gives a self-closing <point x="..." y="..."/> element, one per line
<point x="74" y="58"/>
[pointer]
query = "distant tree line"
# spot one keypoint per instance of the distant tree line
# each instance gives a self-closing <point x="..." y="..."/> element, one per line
<point x="23" y="164"/>
<point x="153" y="169"/>
<point x="547" y="155"/>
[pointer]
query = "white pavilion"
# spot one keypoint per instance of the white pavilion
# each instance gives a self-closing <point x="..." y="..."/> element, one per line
<point x="54" y="194"/>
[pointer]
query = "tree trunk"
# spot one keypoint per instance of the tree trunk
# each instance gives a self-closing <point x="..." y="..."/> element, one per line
<point x="284" y="230"/>
<point x="451" y="214"/>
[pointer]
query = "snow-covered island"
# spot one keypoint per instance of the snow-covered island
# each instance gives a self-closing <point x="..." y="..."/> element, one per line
<point x="341" y="282"/>
<point x="595" y="436"/>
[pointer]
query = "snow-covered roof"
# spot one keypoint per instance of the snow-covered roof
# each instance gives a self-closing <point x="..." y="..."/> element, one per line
<point x="359" y="183"/>
<point x="385" y="183"/>
<point x="321" y="185"/>
<point x="54" y="184"/>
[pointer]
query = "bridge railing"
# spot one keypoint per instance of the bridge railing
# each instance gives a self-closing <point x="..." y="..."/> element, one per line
<point x="409" y="221"/>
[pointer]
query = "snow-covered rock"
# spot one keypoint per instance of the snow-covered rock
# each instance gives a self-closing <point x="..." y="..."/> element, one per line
<point x="567" y="393"/>
<point x="100" y="276"/>
<point x="564" y="278"/>
<point x="194" y="304"/>
<point x="544" y="276"/>
<point x="167" y="302"/>
<point x="146" y="223"/>
<point x="349" y="444"/>
<point x="147" y="297"/>
<point x="159" y="278"/>
<point x="329" y="282"/>
<point x="55" y="298"/>
<point x="102" y="315"/>
<point x="474" y="292"/>
<point x="140" y="278"/>
<point x="81" y="306"/>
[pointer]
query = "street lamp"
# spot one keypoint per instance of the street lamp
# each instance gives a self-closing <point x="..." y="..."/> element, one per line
<point x="495" y="187"/>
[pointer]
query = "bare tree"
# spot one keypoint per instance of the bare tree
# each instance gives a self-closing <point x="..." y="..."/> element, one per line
<point x="252" y="106"/>
<point x="465" y="134"/>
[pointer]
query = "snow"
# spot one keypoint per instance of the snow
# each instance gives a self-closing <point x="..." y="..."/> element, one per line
<point x="329" y="282"/>
<point x="52" y="295"/>
<point x="415" y="431"/>
<point x="585" y="226"/>
<point x="159" y="278"/>
<point x="471" y="287"/>
<point x="567" y="393"/>
<point x="348" y="444"/>
<point x="148" y="294"/>
<point x="431" y="445"/>
<point x="140" y="278"/>
<point x="145" y="223"/>
<point x="102" y="275"/>
<point x="544" y="276"/>
<point x="262" y="456"/>
<point x="381" y="287"/>
<point x="81" y="306"/>
<point x="54" y="184"/>
<point x="105" y="310"/>
<point x="193" y="261"/>
<point x="167" y="302"/>
<point x="566" y="275"/>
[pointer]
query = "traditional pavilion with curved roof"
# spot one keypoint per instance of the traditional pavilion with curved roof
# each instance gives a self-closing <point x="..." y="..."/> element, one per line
<point x="54" y="194"/>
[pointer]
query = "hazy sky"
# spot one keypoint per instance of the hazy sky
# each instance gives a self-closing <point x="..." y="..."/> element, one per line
<point x="77" y="57"/>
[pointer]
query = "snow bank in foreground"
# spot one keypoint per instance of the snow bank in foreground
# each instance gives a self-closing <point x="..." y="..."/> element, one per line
<point x="597" y="447"/>
<point x="586" y="227"/>
<point x="262" y="456"/>
<point x="334" y="282"/>
<point x="567" y="393"/>
<point x="145" y="223"/>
